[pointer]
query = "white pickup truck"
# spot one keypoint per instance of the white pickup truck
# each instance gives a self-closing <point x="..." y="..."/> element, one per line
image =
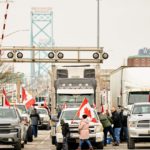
<point x="96" y="130"/>
<point x="139" y="124"/>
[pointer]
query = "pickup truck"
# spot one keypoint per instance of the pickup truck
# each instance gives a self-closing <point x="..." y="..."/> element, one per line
<point x="11" y="128"/>
<point x="139" y="124"/>
<point x="96" y="130"/>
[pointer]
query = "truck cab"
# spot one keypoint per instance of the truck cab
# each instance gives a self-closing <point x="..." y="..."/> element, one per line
<point x="139" y="124"/>
<point x="69" y="116"/>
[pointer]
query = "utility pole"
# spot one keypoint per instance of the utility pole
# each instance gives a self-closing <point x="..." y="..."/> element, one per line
<point x="98" y="99"/>
<point x="18" y="89"/>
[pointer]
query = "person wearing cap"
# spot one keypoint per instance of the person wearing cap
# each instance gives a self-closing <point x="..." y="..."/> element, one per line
<point x="84" y="132"/>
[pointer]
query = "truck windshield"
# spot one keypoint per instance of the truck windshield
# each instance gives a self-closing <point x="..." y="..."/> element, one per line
<point x="136" y="97"/>
<point x="71" y="115"/>
<point x="42" y="111"/>
<point x="7" y="113"/>
<point x="141" y="109"/>
<point x="22" y="109"/>
<point x="74" y="98"/>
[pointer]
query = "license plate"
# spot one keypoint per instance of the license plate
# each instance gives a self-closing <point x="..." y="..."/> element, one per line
<point x="77" y="140"/>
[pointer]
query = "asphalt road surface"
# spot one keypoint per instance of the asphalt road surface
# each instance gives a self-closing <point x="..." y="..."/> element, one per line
<point x="43" y="142"/>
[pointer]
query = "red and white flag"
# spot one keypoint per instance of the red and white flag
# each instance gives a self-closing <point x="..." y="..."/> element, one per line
<point x="45" y="104"/>
<point x="29" y="101"/>
<point x="6" y="102"/>
<point x="94" y="105"/>
<point x="102" y="108"/>
<point x="64" y="105"/>
<point x="24" y="95"/>
<point x="85" y="108"/>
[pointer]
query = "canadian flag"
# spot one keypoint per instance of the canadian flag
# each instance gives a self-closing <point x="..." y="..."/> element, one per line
<point x="64" y="105"/>
<point x="102" y="108"/>
<point x="6" y="102"/>
<point x="29" y="101"/>
<point x="94" y="105"/>
<point x="24" y="95"/>
<point x="45" y="105"/>
<point x="85" y="108"/>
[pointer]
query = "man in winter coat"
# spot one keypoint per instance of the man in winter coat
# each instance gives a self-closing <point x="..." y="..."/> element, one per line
<point x="106" y="122"/>
<point x="117" y="125"/>
<point x="84" y="132"/>
<point x="35" y="119"/>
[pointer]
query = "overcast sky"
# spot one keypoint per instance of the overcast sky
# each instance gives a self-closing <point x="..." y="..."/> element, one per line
<point x="124" y="25"/>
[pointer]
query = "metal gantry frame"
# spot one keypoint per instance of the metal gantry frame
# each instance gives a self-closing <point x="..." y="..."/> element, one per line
<point x="41" y="36"/>
<point x="77" y="54"/>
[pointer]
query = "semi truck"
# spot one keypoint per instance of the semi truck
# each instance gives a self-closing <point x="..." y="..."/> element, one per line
<point x="72" y="84"/>
<point x="129" y="85"/>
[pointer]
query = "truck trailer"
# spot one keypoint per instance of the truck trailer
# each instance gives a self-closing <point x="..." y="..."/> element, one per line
<point x="129" y="85"/>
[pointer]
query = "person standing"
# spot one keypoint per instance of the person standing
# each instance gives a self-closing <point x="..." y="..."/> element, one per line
<point x="106" y="122"/>
<point x="84" y="132"/>
<point x="116" y="126"/>
<point x="35" y="119"/>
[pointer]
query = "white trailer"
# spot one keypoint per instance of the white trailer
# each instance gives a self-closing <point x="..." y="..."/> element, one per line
<point x="129" y="85"/>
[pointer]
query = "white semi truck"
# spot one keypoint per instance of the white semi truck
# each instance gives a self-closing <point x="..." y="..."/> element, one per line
<point x="73" y="83"/>
<point x="129" y="85"/>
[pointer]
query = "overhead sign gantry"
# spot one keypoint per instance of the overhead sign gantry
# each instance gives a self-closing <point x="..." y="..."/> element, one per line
<point x="19" y="54"/>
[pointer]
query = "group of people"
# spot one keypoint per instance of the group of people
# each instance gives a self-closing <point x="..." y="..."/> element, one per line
<point x="116" y="125"/>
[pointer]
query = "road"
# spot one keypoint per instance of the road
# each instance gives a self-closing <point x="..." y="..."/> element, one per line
<point x="43" y="142"/>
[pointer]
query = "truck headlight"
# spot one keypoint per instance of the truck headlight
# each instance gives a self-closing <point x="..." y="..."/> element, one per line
<point x="58" y="129"/>
<point x="99" y="128"/>
<point x="132" y="123"/>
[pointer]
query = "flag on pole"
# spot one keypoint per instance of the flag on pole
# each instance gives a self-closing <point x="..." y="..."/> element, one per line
<point x="6" y="102"/>
<point x="29" y="101"/>
<point x="64" y="105"/>
<point x="102" y="108"/>
<point x="45" y="105"/>
<point x="85" y="108"/>
<point x="94" y="105"/>
<point x="24" y="95"/>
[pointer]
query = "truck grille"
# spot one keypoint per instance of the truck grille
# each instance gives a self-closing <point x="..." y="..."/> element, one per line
<point x="5" y="128"/>
<point x="75" y="129"/>
<point x="143" y="124"/>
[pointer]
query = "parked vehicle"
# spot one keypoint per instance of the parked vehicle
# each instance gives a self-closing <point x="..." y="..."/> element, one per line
<point x="26" y="120"/>
<point x="129" y="85"/>
<point x="12" y="130"/>
<point x="44" y="117"/>
<point x="139" y="124"/>
<point x="96" y="130"/>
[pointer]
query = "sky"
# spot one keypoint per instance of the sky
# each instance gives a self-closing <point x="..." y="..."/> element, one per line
<point x="124" y="25"/>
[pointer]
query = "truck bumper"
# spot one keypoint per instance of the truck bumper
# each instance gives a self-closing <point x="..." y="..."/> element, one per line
<point x="139" y="133"/>
<point x="9" y="138"/>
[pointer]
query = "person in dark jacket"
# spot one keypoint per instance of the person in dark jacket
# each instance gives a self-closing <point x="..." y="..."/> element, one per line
<point x="35" y="120"/>
<point x="65" y="133"/>
<point x="106" y="122"/>
<point x="116" y="125"/>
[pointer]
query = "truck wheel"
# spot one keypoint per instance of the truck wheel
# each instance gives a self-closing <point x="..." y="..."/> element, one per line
<point x="17" y="146"/>
<point x="53" y="140"/>
<point x="58" y="146"/>
<point x="29" y="134"/>
<point x="22" y="145"/>
<point x="131" y="143"/>
<point x="99" y="145"/>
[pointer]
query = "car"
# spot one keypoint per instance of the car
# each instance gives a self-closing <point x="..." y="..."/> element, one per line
<point x="26" y="120"/>
<point x="12" y="129"/>
<point x="96" y="135"/>
<point x="44" y="117"/>
<point x="138" y="124"/>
